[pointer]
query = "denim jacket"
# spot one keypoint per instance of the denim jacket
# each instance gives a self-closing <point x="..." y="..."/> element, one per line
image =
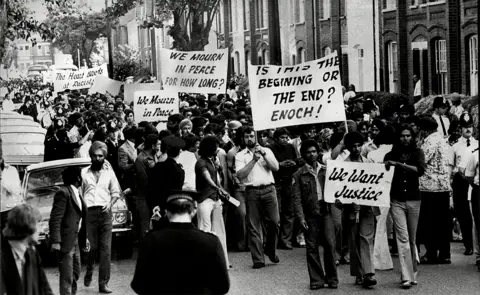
<point x="305" y="196"/>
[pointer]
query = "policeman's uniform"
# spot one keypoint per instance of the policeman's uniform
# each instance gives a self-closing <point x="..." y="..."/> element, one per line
<point x="462" y="151"/>
<point x="180" y="259"/>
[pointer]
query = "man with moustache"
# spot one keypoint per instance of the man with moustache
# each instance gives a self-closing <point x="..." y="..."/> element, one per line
<point x="462" y="151"/>
<point x="315" y="217"/>
<point x="254" y="166"/>
<point x="100" y="189"/>
<point x="68" y="229"/>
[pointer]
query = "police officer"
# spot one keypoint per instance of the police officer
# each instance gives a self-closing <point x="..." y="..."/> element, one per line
<point x="464" y="147"/>
<point x="180" y="259"/>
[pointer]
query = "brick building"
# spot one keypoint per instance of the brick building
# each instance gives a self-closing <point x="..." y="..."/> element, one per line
<point x="437" y="40"/>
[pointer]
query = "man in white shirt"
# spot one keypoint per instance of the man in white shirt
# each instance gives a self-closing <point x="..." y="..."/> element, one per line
<point x="254" y="166"/>
<point x="7" y="104"/>
<point x="440" y="107"/>
<point x="100" y="189"/>
<point x="463" y="150"/>
<point x="417" y="93"/>
<point x="10" y="188"/>
<point x="471" y="172"/>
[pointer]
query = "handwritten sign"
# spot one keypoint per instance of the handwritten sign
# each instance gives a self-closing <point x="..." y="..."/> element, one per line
<point x="154" y="106"/>
<point x="81" y="79"/>
<point x="307" y="93"/>
<point x="194" y="71"/>
<point x="360" y="183"/>
<point x="131" y="88"/>
<point x="104" y="84"/>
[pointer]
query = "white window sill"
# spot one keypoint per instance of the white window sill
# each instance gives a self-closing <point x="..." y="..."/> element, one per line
<point x="324" y="19"/>
<point x="432" y="3"/>
<point x="389" y="9"/>
<point x="413" y="6"/>
<point x="300" y="23"/>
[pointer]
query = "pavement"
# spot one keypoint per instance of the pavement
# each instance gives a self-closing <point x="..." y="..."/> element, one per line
<point x="290" y="277"/>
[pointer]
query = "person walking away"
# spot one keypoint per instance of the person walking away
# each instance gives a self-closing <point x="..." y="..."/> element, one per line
<point x="100" y="189"/>
<point x="199" y="268"/>
<point x="471" y="172"/>
<point x="68" y="229"/>
<point x="315" y="217"/>
<point x="435" y="189"/>
<point x="254" y="166"/>
<point x="21" y="268"/>
<point x="405" y="199"/>
<point x="360" y="222"/>
<point x="208" y="180"/>
<point x="381" y="253"/>
<point x="285" y="154"/>
<point x="462" y="151"/>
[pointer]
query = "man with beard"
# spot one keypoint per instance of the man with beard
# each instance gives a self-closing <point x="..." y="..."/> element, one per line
<point x="232" y="130"/>
<point x="100" y="189"/>
<point x="463" y="150"/>
<point x="285" y="154"/>
<point x="254" y="166"/>
<point x="377" y="126"/>
<point x="315" y="217"/>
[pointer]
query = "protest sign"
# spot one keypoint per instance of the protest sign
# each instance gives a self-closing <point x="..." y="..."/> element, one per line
<point x="307" y="93"/>
<point x="81" y="79"/>
<point x="104" y="84"/>
<point x="131" y="88"/>
<point x="155" y="105"/>
<point x="361" y="183"/>
<point x="194" y="71"/>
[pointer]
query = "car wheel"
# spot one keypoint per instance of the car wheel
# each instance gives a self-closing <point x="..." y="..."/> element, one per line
<point x="124" y="247"/>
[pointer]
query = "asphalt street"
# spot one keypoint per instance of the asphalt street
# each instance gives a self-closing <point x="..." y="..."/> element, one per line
<point x="290" y="277"/>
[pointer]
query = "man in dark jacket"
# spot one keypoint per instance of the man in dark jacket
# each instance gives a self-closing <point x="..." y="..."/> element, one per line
<point x="21" y="269"/>
<point x="180" y="259"/>
<point x="315" y="217"/>
<point x="68" y="225"/>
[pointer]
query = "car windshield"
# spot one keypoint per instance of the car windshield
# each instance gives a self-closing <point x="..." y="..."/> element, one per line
<point x="42" y="186"/>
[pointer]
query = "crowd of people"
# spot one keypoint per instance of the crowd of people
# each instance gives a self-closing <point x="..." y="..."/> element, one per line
<point x="277" y="176"/>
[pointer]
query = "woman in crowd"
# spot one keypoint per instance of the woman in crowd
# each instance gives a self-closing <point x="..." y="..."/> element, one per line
<point x="409" y="163"/>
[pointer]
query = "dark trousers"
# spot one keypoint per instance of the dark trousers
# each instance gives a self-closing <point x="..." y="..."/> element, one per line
<point x="144" y="216"/>
<point x="321" y="231"/>
<point x="132" y="207"/>
<point x="239" y="216"/>
<point x="341" y="234"/>
<point x="435" y="210"/>
<point x="475" y="200"/>
<point x="462" y="209"/>
<point x="360" y="242"/>
<point x="69" y="266"/>
<point x="285" y="204"/>
<point x="99" y="230"/>
<point x="262" y="207"/>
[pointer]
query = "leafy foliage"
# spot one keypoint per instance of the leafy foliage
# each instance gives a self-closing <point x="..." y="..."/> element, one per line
<point x="10" y="57"/>
<point x="127" y="63"/>
<point x="78" y="30"/>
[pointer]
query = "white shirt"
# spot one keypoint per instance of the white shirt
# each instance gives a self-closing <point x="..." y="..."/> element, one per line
<point x="471" y="169"/>
<point x="378" y="155"/>
<point x="8" y="105"/>
<point x="10" y="188"/>
<point x="349" y="95"/>
<point x="187" y="160"/>
<point x="260" y="174"/>
<point x="84" y="150"/>
<point x="446" y="123"/>
<point x="462" y="152"/>
<point x="101" y="192"/>
<point x="341" y="157"/>
<point x="418" y="89"/>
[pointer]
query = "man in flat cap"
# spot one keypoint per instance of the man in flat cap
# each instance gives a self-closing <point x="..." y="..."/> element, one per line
<point x="100" y="190"/>
<point x="435" y="188"/>
<point x="180" y="259"/>
<point x="166" y="176"/>
<point x="463" y="149"/>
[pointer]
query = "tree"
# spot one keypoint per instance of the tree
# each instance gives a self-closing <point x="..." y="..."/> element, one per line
<point x="127" y="63"/>
<point x="78" y="30"/>
<point x="16" y="22"/>
<point x="192" y="19"/>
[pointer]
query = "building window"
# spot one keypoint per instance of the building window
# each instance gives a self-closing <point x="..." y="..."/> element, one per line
<point x="246" y="14"/>
<point x="294" y="59"/>
<point x="259" y="8"/>
<point x="299" y="10"/>
<point x="326" y="51"/>
<point x="237" y="63"/>
<point x="389" y="4"/>
<point x="441" y="66"/>
<point x="473" y="64"/>
<point x="302" y="55"/>
<point x="47" y="50"/>
<point x="247" y="61"/>
<point x="392" y="56"/>
<point x="234" y="16"/>
<point x="325" y="9"/>
<point x="266" y="57"/>
<point x="26" y="48"/>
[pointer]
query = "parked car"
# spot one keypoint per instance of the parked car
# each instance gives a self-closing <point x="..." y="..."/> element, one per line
<point x="43" y="180"/>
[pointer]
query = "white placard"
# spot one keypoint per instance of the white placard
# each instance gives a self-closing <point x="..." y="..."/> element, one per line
<point x="104" y="84"/>
<point x="156" y="105"/>
<point x="81" y="79"/>
<point x="307" y="93"/>
<point x="194" y="71"/>
<point x="361" y="183"/>
<point x="131" y="88"/>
